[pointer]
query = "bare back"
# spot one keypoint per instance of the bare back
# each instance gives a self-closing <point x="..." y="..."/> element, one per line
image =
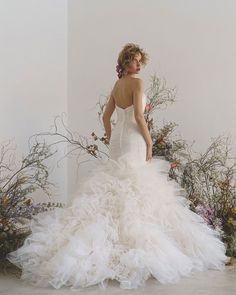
<point x="123" y="92"/>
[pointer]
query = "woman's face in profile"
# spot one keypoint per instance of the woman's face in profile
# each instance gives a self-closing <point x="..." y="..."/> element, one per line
<point x="135" y="64"/>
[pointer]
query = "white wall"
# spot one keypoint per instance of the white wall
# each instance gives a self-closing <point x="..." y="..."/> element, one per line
<point x="33" y="75"/>
<point x="190" y="43"/>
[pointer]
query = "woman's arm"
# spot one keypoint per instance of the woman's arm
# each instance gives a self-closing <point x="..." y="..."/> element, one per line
<point x="110" y="106"/>
<point x="138" y="111"/>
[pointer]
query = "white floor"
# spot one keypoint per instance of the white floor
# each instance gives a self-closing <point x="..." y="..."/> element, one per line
<point x="201" y="283"/>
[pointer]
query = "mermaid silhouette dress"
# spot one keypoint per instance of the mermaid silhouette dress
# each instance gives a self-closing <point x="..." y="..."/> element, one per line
<point x="127" y="222"/>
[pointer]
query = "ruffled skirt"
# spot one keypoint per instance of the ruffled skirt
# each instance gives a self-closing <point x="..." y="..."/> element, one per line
<point x="124" y="223"/>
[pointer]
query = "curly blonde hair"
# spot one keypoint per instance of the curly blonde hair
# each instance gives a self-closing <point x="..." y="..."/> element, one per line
<point x="127" y="54"/>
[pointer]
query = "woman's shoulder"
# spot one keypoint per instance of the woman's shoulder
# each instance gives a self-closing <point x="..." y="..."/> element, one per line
<point x="129" y="80"/>
<point x="138" y="80"/>
<point x="131" y="83"/>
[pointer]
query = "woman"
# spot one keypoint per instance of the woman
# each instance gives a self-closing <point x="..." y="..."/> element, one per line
<point x="128" y="94"/>
<point x="127" y="221"/>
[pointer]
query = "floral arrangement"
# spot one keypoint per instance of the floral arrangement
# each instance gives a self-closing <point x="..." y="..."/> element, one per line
<point x="17" y="183"/>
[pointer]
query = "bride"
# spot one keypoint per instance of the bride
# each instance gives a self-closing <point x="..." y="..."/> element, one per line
<point x="128" y="221"/>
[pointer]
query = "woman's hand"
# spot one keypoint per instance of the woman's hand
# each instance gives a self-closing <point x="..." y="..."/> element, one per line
<point x="149" y="152"/>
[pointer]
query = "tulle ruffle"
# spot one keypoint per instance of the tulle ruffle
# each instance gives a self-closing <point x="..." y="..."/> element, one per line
<point x="124" y="224"/>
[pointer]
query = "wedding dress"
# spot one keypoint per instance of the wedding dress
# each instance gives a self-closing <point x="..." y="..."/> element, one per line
<point x="128" y="221"/>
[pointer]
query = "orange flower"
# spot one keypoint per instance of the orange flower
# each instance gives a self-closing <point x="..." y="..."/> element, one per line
<point x="162" y="141"/>
<point x="230" y="261"/>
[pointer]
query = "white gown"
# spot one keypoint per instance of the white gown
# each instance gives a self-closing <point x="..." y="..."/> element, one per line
<point x="128" y="221"/>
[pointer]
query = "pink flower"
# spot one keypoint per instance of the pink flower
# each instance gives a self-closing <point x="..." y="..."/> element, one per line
<point x="175" y="164"/>
<point x="206" y="212"/>
<point x="148" y="107"/>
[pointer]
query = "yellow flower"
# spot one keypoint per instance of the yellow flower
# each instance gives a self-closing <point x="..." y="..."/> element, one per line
<point x="6" y="201"/>
<point x="234" y="209"/>
<point x="232" y="221"/>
